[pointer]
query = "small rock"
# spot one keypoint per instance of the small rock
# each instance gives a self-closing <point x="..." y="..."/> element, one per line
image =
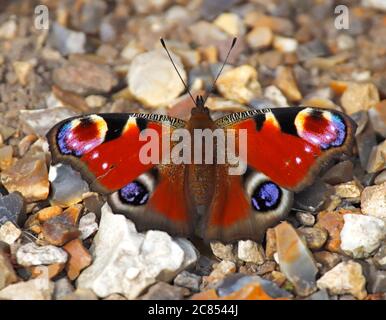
<point x="286" y="82"/>
<point x="305" y="218"/>
<point x="271" y="246"/>
<point x="259" y="37"/>
<point x="81" y="294"/>
<point x="48" y="213"/>
<point x="345" y="42"/>
<point x="95" y="101"/>
<point x="295" y="260"/>
<point x="29" y="176"/>
<point x="376" y="280"/>
<point x="188" y="280"/>
<point x="50" y="271"/>
<point x="88" y="225"/>
<point x="39" y="121"/>
<point x="333" y="222"/>
<point x="250" y="251"/>
<point x="67" y="186"/>
<point x="67" y="41"/>
<point x="345" y="278"/>
<point x="152" y="6"/>
<point x="276" y="96"/>
<point x="375" y="4"/>
<point x="165" y="291"/>
<point x="284" y="44"/>
<point x="373" y="201"/>
<point x="79" y="258"/>
<point x="340" y="173"/>
<point x="7" y="274"/>
<point x="91" y="16"/>
<point x="152" y="79"/>
<point x="85" y="78"/>
<point x="36" y="289"/>
<point x="380" y="257"/>
<point x="223" y="251"/>
<point x="23" y="70"/>
<point x="63" y="287"/>
<point x="377" y="158"/>
<point x="241" y="287"/>
<point x="359" y="96"/>
<point x="351" y="189"/>
<point x="315" y="237"/>
<point x="380" y="178"/>
<point x="62" y="228"/>
<point x="361" y="235"/>
<point x="9" y="233"/>
<point x="239" y="84"/>
<point x="230" y="23"/>
<point x="32" y="255"/>
<point x="220" y="271"/>
<point x="128" y="262"/>
<point x="6" y="158"/>
<point x="312" y="49"/>
<point x="12" y="208"/>
<point x="25" y="144"/>
<point x="327" y="259"/>
<point x="8" y="30"/>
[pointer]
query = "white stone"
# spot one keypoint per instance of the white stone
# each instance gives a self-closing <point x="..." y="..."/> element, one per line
<point x="87" y="225"/>
<point x="250" y="251"/>
<point x="95" y="101"/>
<point x="153" y="80"/>
<point x="8" y="30"/>
<point x="344" y="278"/>
<point x="36" y="289"/>
<point x="31" y="254"/>
<point x="9" y="233"/>
<point x="274" y="94"/>
<point x="68" y="41"/>
<point x="373" y="201"/>
<point x="361" y="234"/>
<point x="230" y="23"/>
<point x="127" y="262"/>
<point x="285" y="44"/>
<point x="223" y="251"/>
<point x="376" y="4"/>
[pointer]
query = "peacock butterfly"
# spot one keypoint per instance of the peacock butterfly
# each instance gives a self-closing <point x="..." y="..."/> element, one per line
<point x="286" y="148"/>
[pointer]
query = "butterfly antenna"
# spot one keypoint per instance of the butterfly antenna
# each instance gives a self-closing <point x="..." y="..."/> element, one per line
<point x="222" y="67"/>
<point x="182" y="80"/>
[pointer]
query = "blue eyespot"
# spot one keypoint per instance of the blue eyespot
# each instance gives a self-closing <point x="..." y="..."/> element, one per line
<point x="135" y="194"/>
<point x="266" y="196"/>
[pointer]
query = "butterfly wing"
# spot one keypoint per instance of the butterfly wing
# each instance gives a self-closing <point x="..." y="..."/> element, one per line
<point x="285" y="150"/>
<point x="106" y="150"/>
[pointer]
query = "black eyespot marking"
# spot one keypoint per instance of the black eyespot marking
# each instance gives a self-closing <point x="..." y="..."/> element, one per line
<point x="134" y="194"/>
<point x="266" y="196"/>
<point x="141" y="123"/>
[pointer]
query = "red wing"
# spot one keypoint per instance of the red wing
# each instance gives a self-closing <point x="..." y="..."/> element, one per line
<point x="290" y="144"/>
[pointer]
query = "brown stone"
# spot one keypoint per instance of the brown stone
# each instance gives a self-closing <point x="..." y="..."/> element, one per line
<point x="315" y="237"/>
<point x="29" y="176"/>
<point x="359" y="96"/>
<point x="48" y="213"/>
<point x="286" y="82"/>
<point x="270" y="248"/>
<point x="79" y="258"/>
<point x="53" y="270"/>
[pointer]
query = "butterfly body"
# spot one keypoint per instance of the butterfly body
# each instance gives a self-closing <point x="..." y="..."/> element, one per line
<point x="286" y="148"/>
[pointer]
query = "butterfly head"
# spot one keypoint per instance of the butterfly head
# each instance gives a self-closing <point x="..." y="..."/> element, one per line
<point x="200" y="106"/>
